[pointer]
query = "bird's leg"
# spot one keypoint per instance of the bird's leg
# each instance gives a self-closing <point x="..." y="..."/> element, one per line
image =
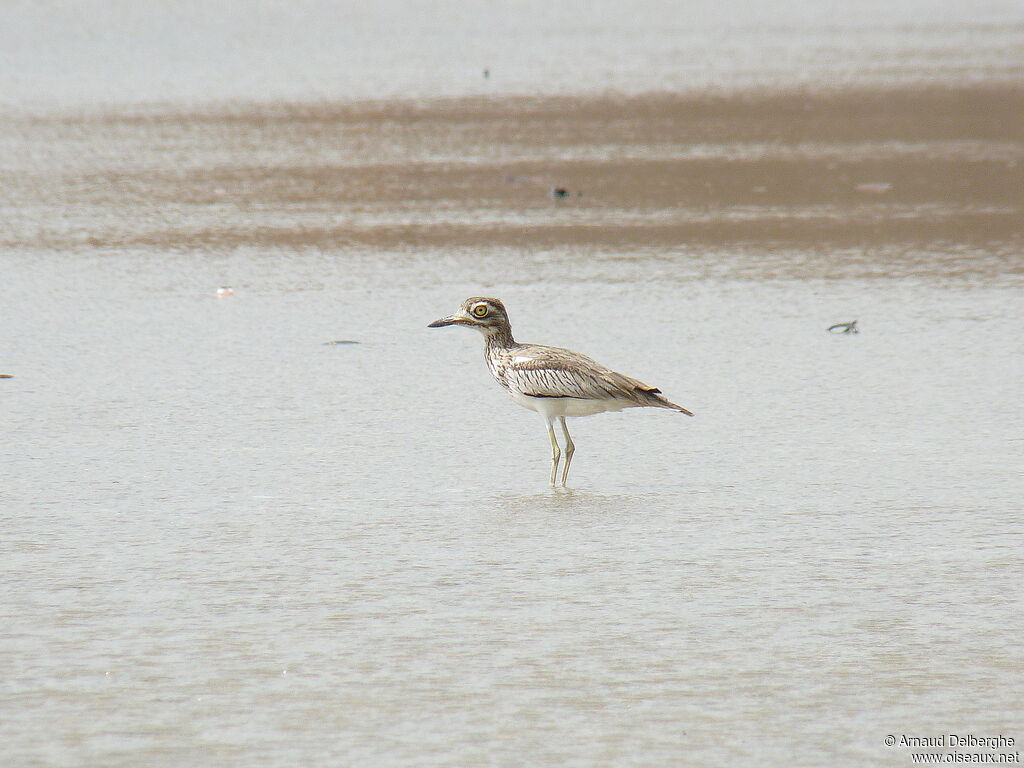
<point x="570" y="449"/>
<point x="555" y="453"/>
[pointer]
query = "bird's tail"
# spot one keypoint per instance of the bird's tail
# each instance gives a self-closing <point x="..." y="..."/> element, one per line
<point x="660" y="401"/>
<point x="678" y="408"/>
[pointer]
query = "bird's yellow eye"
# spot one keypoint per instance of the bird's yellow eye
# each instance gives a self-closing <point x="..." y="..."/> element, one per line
<point x="480" y="310"/>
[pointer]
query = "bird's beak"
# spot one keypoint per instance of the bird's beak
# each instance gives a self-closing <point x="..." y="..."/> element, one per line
<point x="450" y="320"/>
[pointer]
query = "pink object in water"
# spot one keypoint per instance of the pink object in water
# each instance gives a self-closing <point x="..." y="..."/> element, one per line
<point x="225" y="291"/>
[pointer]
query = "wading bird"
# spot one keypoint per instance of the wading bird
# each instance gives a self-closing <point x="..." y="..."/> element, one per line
<point x="552" y="381"/>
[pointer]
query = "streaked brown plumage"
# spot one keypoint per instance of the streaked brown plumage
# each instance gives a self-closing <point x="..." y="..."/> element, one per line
<point x="553" y="381"/>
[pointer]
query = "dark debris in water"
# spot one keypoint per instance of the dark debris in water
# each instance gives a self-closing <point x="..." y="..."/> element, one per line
<point x="850" y="327"/>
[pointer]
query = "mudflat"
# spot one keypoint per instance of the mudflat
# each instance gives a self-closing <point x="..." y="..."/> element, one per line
<point x="806" y="168"/>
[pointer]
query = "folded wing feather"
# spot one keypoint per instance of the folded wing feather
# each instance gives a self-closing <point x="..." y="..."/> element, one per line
<point x="554" y="372"/>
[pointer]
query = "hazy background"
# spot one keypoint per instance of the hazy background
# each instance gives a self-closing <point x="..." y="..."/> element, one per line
<point x="106" y="52"/>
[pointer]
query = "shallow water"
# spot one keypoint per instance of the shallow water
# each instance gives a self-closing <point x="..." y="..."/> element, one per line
<point x="226" y="540"/>
<point x="102" y="52"/>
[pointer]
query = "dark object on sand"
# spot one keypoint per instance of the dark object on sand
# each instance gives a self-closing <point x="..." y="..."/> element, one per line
<point x="341" y="341"/>
<point x="844" y="328"/>
<point x="559" y="192"/>
<point x="6" y="376"/>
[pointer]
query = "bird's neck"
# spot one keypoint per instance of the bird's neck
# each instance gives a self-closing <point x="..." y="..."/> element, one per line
<point x="500" y="338"/>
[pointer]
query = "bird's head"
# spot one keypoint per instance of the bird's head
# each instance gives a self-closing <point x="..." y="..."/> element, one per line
<point x="486" y="315"/>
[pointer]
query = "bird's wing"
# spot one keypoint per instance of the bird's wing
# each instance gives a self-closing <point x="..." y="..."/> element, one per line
<point x="555" y="372"/>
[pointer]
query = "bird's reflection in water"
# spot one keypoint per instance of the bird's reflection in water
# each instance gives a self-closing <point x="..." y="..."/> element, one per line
<point x="573" y="502"/>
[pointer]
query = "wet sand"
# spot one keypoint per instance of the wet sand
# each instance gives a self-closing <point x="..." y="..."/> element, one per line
<point x="846" y="168"/>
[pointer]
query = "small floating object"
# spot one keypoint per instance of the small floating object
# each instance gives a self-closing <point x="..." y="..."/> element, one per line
<point x="874" y="187"/>
<point x="225" y="290"/>
<point x="559" y="192"/>
<point x="6" y="376"/>
<point x="487" y="73"/>
<point x="844" y="328"/>
<point x="341" y="341"/>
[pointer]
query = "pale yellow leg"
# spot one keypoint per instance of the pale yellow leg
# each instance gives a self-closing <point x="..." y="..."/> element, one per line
<point x="555" y="453"/>
<point x="570" y="449"/>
